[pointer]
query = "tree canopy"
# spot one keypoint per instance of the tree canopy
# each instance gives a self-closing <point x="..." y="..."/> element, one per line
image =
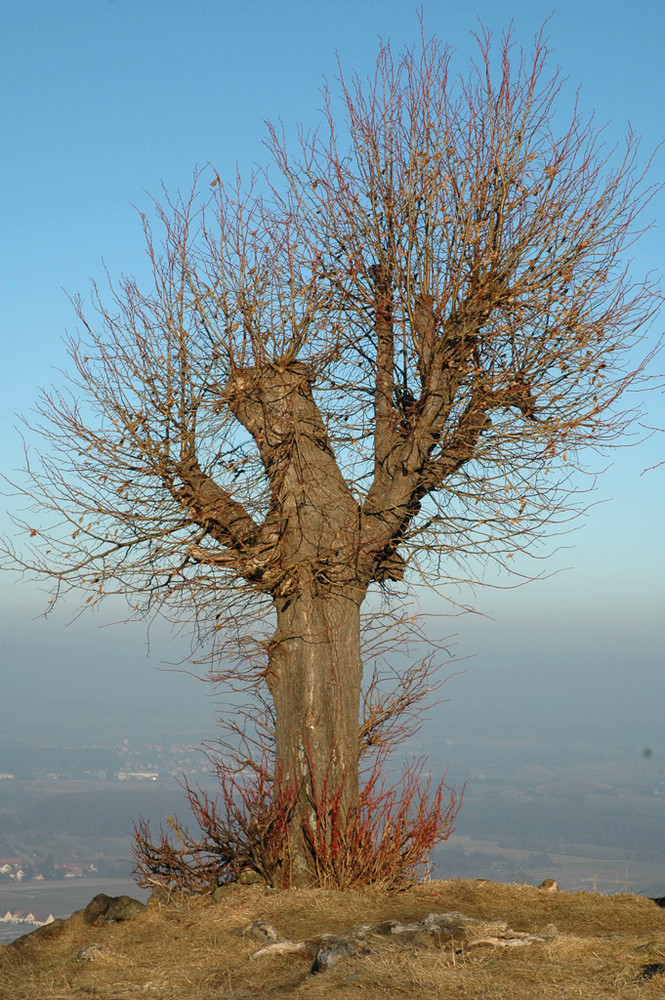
<point x="385" y="354"/>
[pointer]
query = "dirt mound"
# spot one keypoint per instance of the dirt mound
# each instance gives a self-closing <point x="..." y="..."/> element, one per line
<point x="440" y="939"/>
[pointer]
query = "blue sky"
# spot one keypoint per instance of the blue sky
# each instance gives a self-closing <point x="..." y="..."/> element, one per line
<point x="104" y="100"/>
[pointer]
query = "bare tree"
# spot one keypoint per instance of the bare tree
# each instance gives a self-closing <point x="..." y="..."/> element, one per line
<point x="386" y="354"/>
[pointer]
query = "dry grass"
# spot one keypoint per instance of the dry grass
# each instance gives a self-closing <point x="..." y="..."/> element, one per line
<point x="195" y="949"/>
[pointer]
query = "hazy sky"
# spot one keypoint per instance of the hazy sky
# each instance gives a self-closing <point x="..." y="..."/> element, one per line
<point x="105" y="100"/>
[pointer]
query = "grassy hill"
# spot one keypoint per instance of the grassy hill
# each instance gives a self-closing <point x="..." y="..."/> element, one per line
<point x="198" y="948"/>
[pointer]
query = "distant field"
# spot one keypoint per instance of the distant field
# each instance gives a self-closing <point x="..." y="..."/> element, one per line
<point x="573" y="872"/>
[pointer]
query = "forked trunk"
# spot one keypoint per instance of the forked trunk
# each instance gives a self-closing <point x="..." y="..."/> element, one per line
<point x="315" y="675"/>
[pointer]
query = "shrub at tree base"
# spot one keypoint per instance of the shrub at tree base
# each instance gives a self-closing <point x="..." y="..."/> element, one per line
<point x="386" y="839"/>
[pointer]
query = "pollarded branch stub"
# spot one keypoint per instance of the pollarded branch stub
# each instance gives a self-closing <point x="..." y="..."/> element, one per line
<point x="382" y="280"/>
<point x="211" y="506"/>
<point x="259" y="566"/>
<point x="424" y="333"/>
<point x="269" y="385"/>
<point x="419" y="467"/>
<point x="313" y="512"/>
<point x="462" y="443"/>
<point x="276" y="405"/>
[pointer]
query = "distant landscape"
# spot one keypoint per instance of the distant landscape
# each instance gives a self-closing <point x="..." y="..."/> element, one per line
<point x="590" y="816"/>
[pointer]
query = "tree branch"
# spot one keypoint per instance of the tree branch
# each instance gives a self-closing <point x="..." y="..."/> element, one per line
<point x="385" y="362"/>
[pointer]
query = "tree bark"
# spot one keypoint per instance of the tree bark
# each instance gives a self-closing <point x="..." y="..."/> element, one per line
<point x="314" y="676"/>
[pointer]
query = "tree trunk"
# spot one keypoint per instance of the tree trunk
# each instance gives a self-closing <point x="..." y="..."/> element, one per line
<point x="315" y="674"/>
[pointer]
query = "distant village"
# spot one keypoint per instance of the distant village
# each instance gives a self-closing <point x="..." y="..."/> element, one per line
<point x="12" y="868"/>
<point x="34" y="919"/>
<point x="99" y="775"/>
<point x="15" y="870"/>
<point x="48" y="835"/>
<point x="107" y="761"/>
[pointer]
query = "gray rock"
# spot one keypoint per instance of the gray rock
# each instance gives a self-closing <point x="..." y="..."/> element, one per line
<point x="262" y="931"/>
<point x="330" y="949"/>
<point x="90" y="952"/>
<point x="103" y="908"/>
<point x="330" y="954"/>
